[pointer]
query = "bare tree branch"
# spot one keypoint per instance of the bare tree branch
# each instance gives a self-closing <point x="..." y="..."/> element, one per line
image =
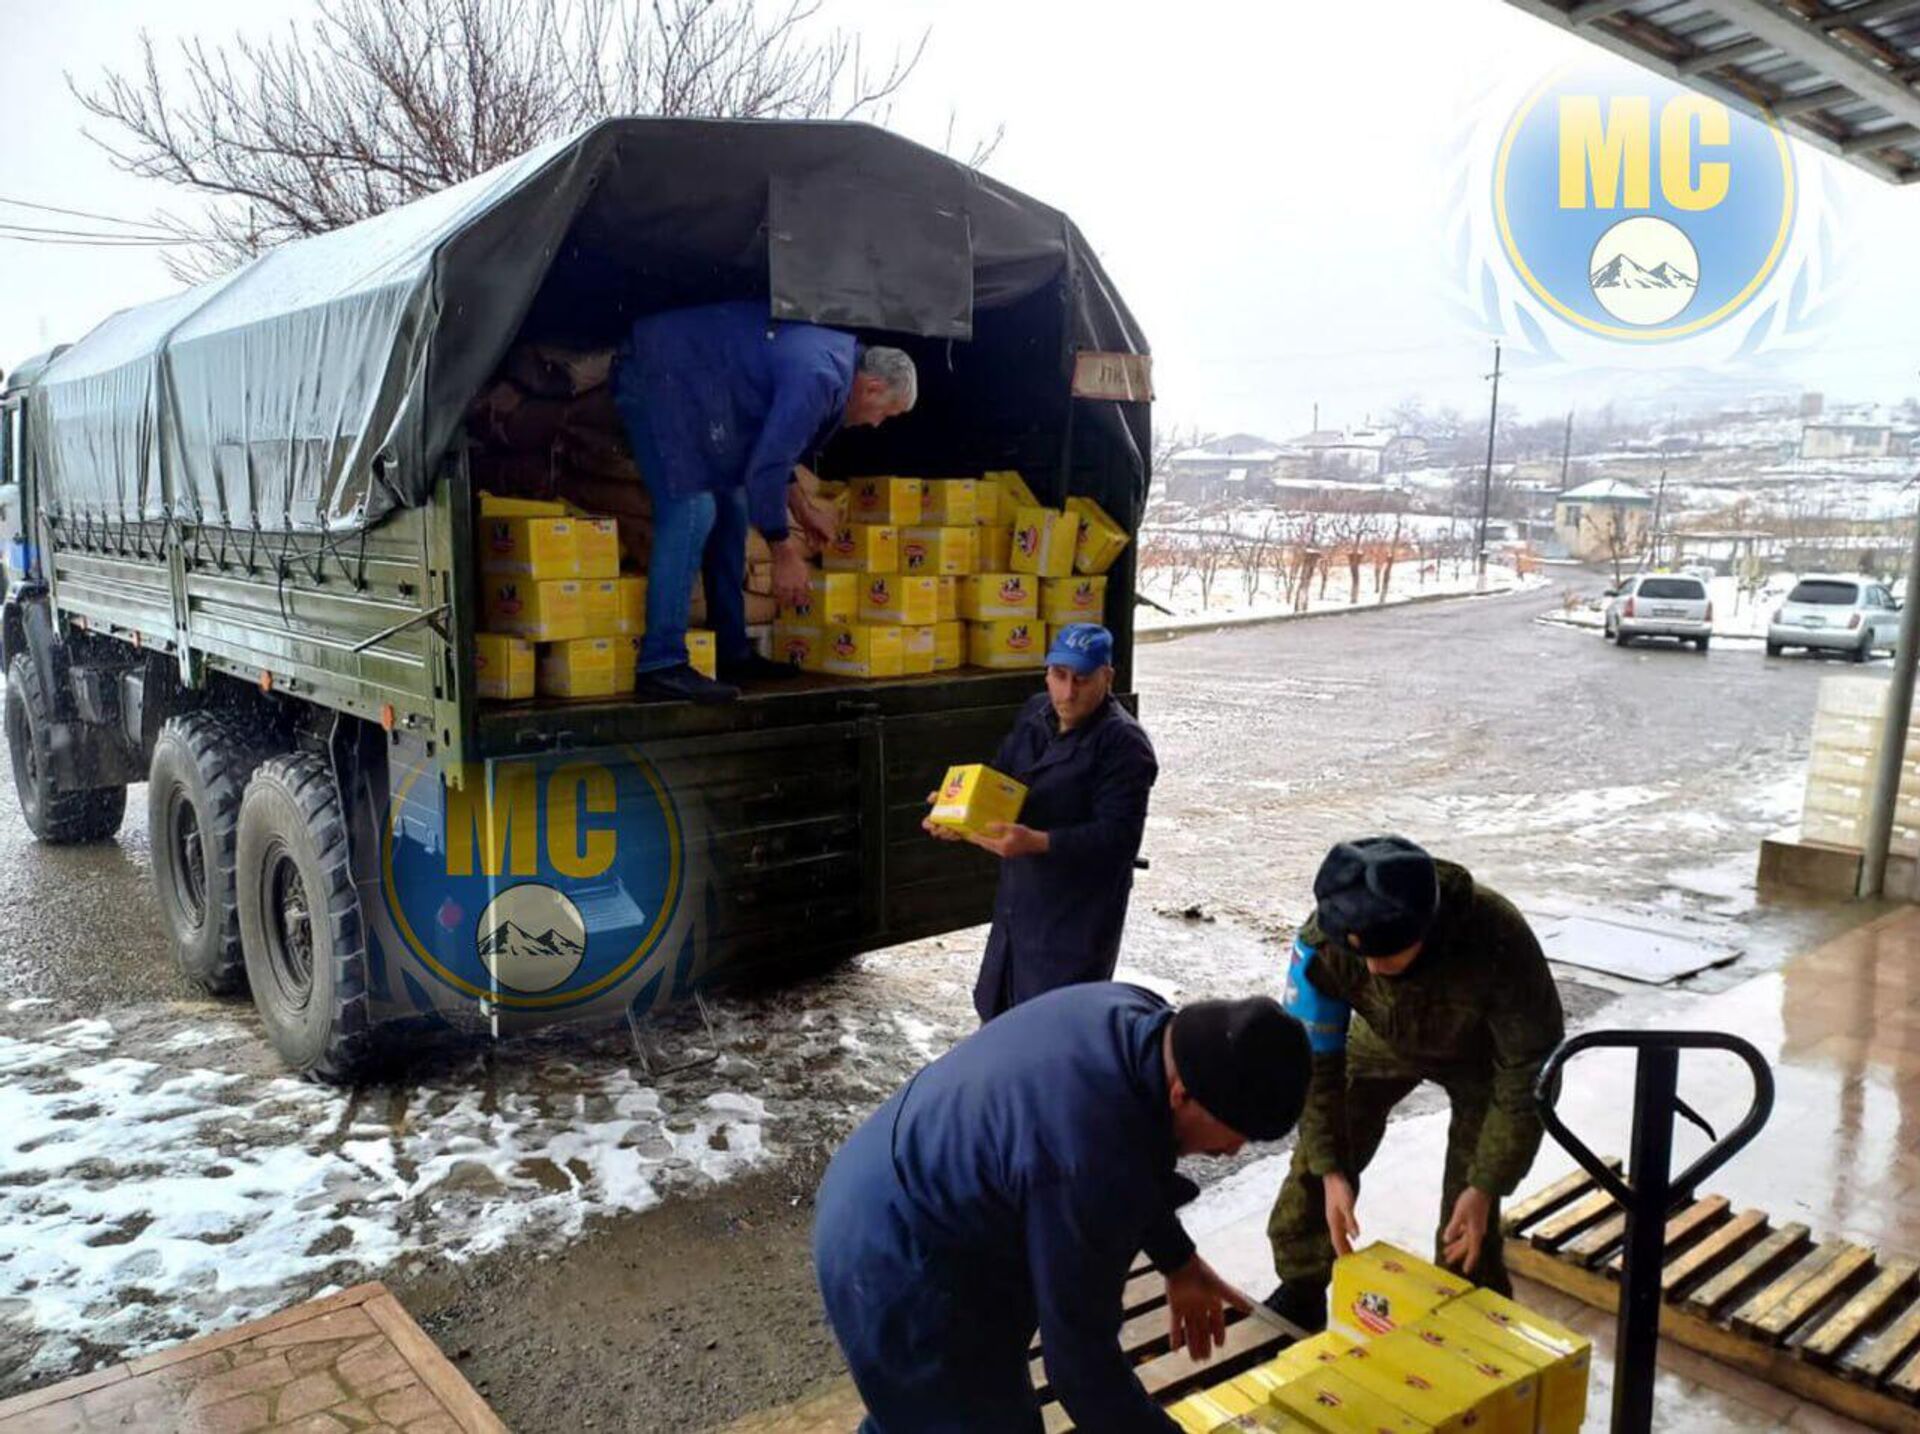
<point x="375" y="104"/>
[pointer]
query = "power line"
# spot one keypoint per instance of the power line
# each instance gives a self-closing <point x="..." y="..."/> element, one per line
<point x="7" y="224"/>
<point x="92" y="243"/>
<point x="76" y="213"/>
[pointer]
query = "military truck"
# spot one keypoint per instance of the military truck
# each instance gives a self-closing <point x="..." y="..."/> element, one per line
<point x="244" y="576"/>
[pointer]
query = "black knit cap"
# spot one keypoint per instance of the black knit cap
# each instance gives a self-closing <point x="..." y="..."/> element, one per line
<point x="1377" y="896"/>
<point x="1246" y="1062"/>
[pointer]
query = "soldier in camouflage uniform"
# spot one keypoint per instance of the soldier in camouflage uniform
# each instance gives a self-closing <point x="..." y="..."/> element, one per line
<point x="1409" y="971"/>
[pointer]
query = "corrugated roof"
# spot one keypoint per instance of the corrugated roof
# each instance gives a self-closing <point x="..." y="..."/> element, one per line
<point x="1840" y="77"/>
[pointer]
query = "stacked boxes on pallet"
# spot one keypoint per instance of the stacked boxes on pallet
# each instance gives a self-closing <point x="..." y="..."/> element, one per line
<point x="1847" y="722"/>
<point x="1421" y="1352"/>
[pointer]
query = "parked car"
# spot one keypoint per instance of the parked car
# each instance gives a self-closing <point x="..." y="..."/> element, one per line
<point x="1837" y="613"/>
<point x="1661" y="605"/>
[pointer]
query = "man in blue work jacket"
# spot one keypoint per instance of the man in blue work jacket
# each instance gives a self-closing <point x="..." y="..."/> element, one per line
<point x="1066" y="867"/>
<point x="720" y="403"/>
<point x="1009" y="1185"/>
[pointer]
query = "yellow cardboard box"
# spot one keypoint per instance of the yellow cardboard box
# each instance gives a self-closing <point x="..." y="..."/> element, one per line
<point x="1100" y="539"/>
<point x="582" y="667"/>
<point x="919" y="646"/>
<point x="492" y="505"/>
<point x="1327" y="1400"/>
<point x="1561" y="1359"/>
<point x="892" y="501"/>
<point x="600" y="601"/>
<point x="949" y="646"/>
<point x="996" y="548"/>
<point x="949" y="600"/>
<point x="703" y="653"/>
<point x="1511" y="1385"/>
<point x="1295" y="1360"/>
<point x="948" y="552"/>
<point x="543" y="549"/>
<point x="799" y="642"/>
<point x="896" y="599"/>
<point x="538" y="611"/>
<point x="599" y="540"/>
<point x="1430" y="1384"/>
<point x="863" y="548"/>
<point x="863" y="650"/>
<point x="1212" y="1410"/>
<point x="1381" y="1288"/>
<point x="1014" y="492"/>
<point x="972" y="797"/>
<point x="632" y="599"/>
<point x="1043" y="542"/>
<point x="951" y="502"/>
<point x="987" y="498"/>
<point x="502" y="667"/>
<point x="831" y="597"/>
<point x="986" y="597"/>
<point x="1007" y="642"/>
<point x="1065" y="600"/>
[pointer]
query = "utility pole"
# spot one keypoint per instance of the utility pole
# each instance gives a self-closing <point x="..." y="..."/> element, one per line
<point x="1659" y="502"/>
<point x="1316" y="416"/>
<point x="1566" y="451"/>
<point x="1486" y="479"/>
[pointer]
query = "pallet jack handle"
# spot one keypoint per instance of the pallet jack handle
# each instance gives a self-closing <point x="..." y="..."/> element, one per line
<point x="1650" y="1192"/>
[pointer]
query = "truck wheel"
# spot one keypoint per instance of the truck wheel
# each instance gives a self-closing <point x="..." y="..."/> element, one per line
<point x="200" y="768"/>
<point x="55" y="816"/>
<point x="300" y="925"/>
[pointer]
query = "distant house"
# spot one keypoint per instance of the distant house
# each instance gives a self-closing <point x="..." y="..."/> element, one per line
<point x="1853" y="440"/>
<point x="1362" y="453"/>
<point x="1238" y="466"/>
<point x="1602" y="519"/>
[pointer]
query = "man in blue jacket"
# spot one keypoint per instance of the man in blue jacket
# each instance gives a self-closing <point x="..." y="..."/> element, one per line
<point x="1008" y="1186"/>
<point x="1066" y="867"/>
<point x="720" y="403"/>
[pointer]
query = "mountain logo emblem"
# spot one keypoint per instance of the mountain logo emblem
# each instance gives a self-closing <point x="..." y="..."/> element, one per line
<point x="531" y="937"/>
<point x="1645" y="270"/>
<point x="1633" y="209"/>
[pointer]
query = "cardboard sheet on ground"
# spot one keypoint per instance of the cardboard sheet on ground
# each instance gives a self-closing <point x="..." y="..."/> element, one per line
<point x="1636" y="953"/>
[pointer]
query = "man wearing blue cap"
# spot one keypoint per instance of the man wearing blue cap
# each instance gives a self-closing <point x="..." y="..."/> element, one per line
<point x="1066" y="867"/>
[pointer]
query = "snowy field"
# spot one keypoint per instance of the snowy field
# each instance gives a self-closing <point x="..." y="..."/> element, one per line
<point x="1234" y="599"/>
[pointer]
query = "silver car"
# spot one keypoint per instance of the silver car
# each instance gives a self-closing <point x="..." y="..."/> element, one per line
<point x="1853" y="615"/>
<point x="1661" y="605"/>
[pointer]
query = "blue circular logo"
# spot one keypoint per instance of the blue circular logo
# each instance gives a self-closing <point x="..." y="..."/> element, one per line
<point x="1641" y="212"/>
<point x="535" y="884"/>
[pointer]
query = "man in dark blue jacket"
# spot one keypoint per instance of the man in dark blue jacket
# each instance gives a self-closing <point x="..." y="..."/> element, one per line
<point x="720" y="403"/>
<point x="1008" y="1186"/>
<point x="1066" y="867"/>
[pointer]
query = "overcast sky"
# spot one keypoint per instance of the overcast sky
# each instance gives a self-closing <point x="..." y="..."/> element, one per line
<point x="1270" y="185"/>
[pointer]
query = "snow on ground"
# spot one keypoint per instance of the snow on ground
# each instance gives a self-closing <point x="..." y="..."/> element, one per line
<point x="143" y="1202"/>
<point x="1231" y="602"/>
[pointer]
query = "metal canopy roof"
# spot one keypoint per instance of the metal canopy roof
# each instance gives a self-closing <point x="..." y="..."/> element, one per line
<point x="1838" y="76"/>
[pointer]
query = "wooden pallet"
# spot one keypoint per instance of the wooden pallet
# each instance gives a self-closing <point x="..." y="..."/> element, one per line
<point x="1166" y="1374"/>
<point x="1827" y="1320"/>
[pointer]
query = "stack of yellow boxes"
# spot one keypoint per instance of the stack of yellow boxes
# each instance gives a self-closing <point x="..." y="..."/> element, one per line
<point x="964" y="571"/>
<point x="1428" y="1353"/>
<point x="558" y="616"/>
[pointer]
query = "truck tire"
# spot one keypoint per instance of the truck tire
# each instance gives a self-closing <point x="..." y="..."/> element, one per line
<point x="53" y="815"/>
<point x="199" y="772"/>
<point x="300" y="923"/>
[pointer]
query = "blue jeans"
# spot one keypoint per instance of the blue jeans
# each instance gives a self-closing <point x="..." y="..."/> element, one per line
<point x="703" y="533"/>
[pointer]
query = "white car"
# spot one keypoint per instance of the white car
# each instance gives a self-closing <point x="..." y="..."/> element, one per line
<point x="1835" y="613"/>
<point x="1661" y="605"/>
